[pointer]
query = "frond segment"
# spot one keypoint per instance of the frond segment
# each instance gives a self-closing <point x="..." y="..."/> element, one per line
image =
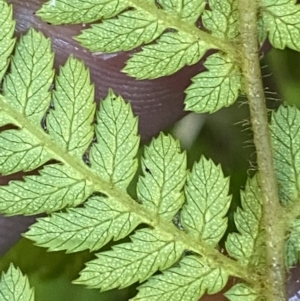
<point x="285" y="129"/>
<point x="15" y="286"/>
<point x="70" y="121"/>
<point x="7" y="42"/>
<point x="80" y="11"/>
<point x="188" y="281"/>
<point x="281" y="19"/>
<point x="101" y="220"/>
<point x="164" y="166"/>
<point x="113" y="155"/>
<point x="127" y="263"/>
<point x="215" y="88"/>
<point x="207" y="202"/>
<point x="27" y="86"/>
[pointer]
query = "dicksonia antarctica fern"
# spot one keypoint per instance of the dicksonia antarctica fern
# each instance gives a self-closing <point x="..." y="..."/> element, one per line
<point x="181" y="214"/>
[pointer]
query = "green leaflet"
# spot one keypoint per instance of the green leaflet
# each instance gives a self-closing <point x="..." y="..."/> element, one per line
<point x="57" y="187"/>
<point x="164" y="166"/>
<point x="27" y="86"/>
<point x="70" y="122"/>
<point x="80" y="11"/>
<point x="293" y="244"/>
<point x="245" y="245"/>
<point x="285" y="129"/>
<point x="172" y="51"/>
<point x="91" y="227"/>
<point x="281" y="18"/>
<point x="113" y="155"/>
<point x="222" y="18"/>
<point x="241" y="292"/>
<point x="7" y="42"/>
<point x="186" y="10"/>
<point x="215" y="88"/>
<point x="127" y="263"/>
<point x="15" y="286"/>
<point x="20" y="150"/>
<point x="188" y="281"/>
<point x="130" y="30"/>
<point x="207" y="202"/>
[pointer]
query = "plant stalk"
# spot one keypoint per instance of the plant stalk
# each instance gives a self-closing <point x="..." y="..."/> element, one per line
<point x="274" y="286"/>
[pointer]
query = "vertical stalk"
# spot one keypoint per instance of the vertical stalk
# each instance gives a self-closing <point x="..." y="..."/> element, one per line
<point x="274" y="278"/>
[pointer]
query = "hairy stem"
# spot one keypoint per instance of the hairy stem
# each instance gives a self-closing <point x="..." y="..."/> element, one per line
<point x="274" y="278"/>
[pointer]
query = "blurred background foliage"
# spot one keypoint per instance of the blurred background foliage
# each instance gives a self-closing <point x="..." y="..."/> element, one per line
<point x="224" y="136"/>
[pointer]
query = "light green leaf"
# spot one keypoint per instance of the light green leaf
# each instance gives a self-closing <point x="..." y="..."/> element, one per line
<point x="26" y="88"/>
<point x="70" y="122"/>
<point x="127" y="263"/>
<point x="4" y="119"/>
<point x="285" y="130"/>
<point x="241" y="292"/>
<point x="164" y="166"/>
<point x="207" y="202"/>
<point x="293" y="244"/>
<point x="245" y="245"/>
<point x="20" y="151"/>
<point x="7" y="42"/>
<point x="80" y="11"/>
<point x="188" y="281"/>
<point x="91" y="227"/>
<point x="56" y="188"/>
<point x="171" y="52"/>
<point x="188" y="10"/>
<point x="130" y="30"/>
<point x="292" y="251"/>
<point x="113" y="156"/>
<point x="15" y="286"/>
<point x="281" y="18"/>
<point x="215" y="88"/>
<point x="222" y="18"/>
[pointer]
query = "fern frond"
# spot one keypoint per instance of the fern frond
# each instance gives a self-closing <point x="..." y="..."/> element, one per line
<point x="15" y="286"/>
<point x="95" y="163"/>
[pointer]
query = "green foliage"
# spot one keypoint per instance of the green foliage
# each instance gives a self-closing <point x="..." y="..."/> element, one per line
<point x="221" y="81"/>
<point x="281" y="18"/>
<point x="243" y="245"/>
<point x="207" y="202"/>
<point x="88" y="157"/>
<point x="186" y="281"/>
<point x="241" y="291"/>
<point x="286" y="146"/>
<point x="15" y="286"/>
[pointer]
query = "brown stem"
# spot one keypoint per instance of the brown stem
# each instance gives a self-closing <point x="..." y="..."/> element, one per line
<point x="274" y="278"/>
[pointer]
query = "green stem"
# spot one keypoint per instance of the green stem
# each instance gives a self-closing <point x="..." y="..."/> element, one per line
<point x="274" y="278"/>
